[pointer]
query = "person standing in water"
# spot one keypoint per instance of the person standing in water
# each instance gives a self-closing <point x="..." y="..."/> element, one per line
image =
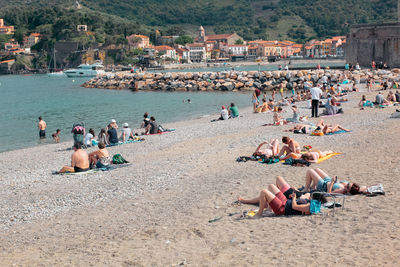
<point x="42" y="128"/>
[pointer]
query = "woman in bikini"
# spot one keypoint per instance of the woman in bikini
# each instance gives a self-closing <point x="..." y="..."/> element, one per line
<point x="271" y="149"/>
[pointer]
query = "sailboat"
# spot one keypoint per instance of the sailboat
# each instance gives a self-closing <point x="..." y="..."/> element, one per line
<point x="55" y="73"/>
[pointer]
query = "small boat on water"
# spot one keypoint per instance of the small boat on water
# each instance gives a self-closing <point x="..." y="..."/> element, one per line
<point x="86" y="70"/>
<point x="56" y="74"/>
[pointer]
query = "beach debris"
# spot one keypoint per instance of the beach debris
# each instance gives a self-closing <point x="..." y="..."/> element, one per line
<point x="215" y="219"/>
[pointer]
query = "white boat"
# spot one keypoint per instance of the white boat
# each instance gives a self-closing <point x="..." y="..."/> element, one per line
<point x="56" y="74"/>
<point x="86" y="70"/>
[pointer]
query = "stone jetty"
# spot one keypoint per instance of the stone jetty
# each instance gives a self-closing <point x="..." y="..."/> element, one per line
<point x="230" y="80"/>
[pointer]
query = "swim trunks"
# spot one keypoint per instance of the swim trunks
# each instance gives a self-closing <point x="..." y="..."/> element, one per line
<point x="42" y="133"/>
<point x="77" y="169"/>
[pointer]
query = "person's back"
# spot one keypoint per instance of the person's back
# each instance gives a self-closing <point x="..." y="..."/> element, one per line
<point x="88" y="139"/>
<point x="80" y="159"/>
<point x="153" y="127"/>
<point x="234" y="111"/>
<point x="315" y="93"/>
<point x="224" y="114"/>
<point x="112" y="135"/>
<point x="379" y="99"/>
<point x="397" y="94"/>
<point x="126" y="131"/>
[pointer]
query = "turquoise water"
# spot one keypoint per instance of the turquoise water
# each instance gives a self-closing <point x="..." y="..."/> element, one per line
<point x="62" y="102"/>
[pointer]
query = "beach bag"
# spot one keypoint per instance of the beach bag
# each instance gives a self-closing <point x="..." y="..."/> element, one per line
<point x="315" y="206"/>
<point x="118" y="159"/>
<point x="374" y="190"/>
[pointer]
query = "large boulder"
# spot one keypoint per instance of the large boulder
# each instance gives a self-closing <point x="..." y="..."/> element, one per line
<point x="227" y="86"/>
<point x="188" y="75"/>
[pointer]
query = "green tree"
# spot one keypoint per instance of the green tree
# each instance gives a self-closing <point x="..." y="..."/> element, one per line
<point x="239" y="41"/>
<point x="184" y="39"/>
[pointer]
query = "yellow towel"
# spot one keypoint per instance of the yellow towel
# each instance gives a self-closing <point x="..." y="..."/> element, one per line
<point x="328" y="157"/>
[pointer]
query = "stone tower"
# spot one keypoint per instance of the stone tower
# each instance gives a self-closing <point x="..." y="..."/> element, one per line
<point x="398" y="11"/>
<point x="202" y="35"/>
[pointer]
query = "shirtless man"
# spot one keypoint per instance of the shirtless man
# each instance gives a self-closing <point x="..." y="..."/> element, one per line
<point x="42" y="128"/>
<point x="291" y="146"/>
<point x="270" y="149"/>
<point x="79" y="160"/>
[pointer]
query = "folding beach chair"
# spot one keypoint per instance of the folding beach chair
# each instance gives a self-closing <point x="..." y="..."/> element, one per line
<point x="335" y="199"/>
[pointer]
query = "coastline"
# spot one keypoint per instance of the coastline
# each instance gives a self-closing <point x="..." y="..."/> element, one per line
<point x="156" y="211"/>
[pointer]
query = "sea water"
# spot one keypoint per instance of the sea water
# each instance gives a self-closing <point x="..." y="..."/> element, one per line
<point x="61" y="101"/>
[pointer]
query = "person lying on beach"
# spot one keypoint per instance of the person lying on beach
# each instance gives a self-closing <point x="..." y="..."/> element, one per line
<point x="277" y="198"/>
<point x="333" y="129"/>
<point x="291" y="146"/>
<point x="267" y="149"/>
<point x="79" y="160"/>
<point x="126" y="133"/>
<point x="301" y="128"/>
<point x="56" y="136"/>
<point x="100" y="158"/>
<point x="312" y="156"/>
<point x="317" y="179"/>
<point x="278" y="119"/>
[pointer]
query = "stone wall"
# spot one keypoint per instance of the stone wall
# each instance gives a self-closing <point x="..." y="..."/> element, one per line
<point x="228" y="80"/>
<point x="380" y="42"/>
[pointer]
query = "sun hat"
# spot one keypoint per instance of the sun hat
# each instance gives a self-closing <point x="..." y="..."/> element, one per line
<point x="113" y="121"/>
<point x="223" y="107"/>
<point x="126" y="124"/>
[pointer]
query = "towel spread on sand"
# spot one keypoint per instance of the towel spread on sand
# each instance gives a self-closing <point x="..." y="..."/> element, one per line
<point x="91" y="171"/>
<point x="328" y="157"/>
<point x="126" y="142"/>
<point x="337" y="132"/>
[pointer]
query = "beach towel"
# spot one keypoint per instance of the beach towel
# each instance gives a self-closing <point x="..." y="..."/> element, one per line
<point x="328" y="157"/>
<point x="337" y="132"/>
<point x="92" y="171"/>
<point x="126" y="142"/>
<point x="337" y="114"/>
<point x="166" y="131"/>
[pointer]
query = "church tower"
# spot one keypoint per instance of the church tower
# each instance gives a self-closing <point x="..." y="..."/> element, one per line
<point x="202" y="35"/>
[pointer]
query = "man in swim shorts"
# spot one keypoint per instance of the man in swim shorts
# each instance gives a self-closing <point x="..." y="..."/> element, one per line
<point x="79" y="160"/>
<point x="42" y="128"/>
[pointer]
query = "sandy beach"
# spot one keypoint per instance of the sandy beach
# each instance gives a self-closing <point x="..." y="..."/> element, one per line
<point x="156" y="211"/>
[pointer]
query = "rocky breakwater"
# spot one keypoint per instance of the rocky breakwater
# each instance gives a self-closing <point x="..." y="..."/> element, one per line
<point x="230" y="80"/>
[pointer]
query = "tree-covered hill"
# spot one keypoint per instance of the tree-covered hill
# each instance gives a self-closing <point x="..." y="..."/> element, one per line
<point x="283" y="19"/>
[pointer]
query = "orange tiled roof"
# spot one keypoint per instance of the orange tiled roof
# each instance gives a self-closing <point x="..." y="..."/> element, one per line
<point x="6" y="61"/>
<point x="195" y="45"/>
<point x="163" y="48"/>
<point x="35" y="34"/>
<point x="218" y="36"/>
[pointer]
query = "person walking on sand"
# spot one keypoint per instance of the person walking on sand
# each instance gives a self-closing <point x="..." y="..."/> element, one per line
<point x="42" y="128"/>
<point x="255" y="100"/>
<point x="316" y="94"/>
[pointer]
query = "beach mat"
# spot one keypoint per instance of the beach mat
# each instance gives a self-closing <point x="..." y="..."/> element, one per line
<point x="126" y="142"/>
<point x="337" y="132"/>
<point x="92" y="171"/>
<point x="328" y="157"/>
<point x="166" y="131"/>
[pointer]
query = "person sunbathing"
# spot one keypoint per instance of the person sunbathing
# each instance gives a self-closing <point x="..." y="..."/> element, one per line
<point x="296" y="116"/>
<point x="317" y="179"/>
<point x="314" y="155"/>
<point x="278" y="120"/>
<point x="270" y="149"/>
<point x="79" y="160"/>
<point x="333" y="129"/>
<point x="100" y="158"/>
<point x="282" y="200"/>
<point x="391" y="97"/>
<point x="291" y="146"/>
<point x="265" y="106"/>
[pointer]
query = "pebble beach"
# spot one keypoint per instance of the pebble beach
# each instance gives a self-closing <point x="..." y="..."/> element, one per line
<point x="171" y="205"/>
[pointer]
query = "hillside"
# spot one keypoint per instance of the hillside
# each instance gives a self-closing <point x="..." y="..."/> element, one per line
<point x="297" y="20"/>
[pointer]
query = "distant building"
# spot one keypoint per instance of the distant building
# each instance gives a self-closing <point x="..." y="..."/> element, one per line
<point x="183" y="55"/>
<point x="6" y="29"/>
<point x="138" y="41"/>
<point x="197" y="52"/>
<point x="81" y="28"/>
<point x="201" y="35"/>
<point x="166" y="40"/>
<point x="235" y="50"/>
<point x="217" y="39"/>
<point x="167" y="52"/>
<point x="11" y="45"/>
<point x="5" y="66"/>
<point x="32" y="39"/>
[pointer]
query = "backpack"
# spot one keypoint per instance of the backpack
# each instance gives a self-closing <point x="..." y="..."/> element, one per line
<point x="118" y="159"/>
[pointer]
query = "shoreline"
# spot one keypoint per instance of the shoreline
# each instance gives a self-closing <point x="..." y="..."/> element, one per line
<point x="156" y="211"/>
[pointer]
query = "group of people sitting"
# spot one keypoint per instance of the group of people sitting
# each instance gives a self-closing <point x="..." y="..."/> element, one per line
<point x="283" y="199"/>
<point x="81" y="161"/>
<point x="232" y="112"/>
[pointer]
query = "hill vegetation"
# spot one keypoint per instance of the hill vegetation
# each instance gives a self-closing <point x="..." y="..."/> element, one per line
<point x="252" y="19"/>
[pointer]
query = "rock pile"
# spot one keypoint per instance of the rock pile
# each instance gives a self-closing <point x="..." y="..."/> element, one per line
<point x="230" y="80"/>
